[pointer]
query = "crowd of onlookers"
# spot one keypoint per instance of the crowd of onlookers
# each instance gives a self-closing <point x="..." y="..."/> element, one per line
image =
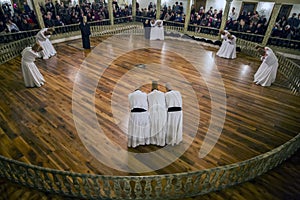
<point x="248" y="22"/>
<point x="14" y="19"/>
<point x="59" y="14"/>
<point x="287" y="28"/>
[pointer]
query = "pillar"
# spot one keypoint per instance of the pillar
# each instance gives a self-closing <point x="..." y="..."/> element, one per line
<point x="110" y="11"/>
<point x="187" y="16"/>
<point x="225" y="14"/>
<point x="158" y="8"/>
<point x="133" y="8"/>
<point x="38" y="13"/>
<point x="272" y="22"/>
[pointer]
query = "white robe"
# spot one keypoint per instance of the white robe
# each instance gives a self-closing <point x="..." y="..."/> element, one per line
<point x="157" y="31"/>
<point x="266" y="73"/>
<point x="222" y="49"/>
<point x="43" y="40"/>
<point x="229" y="49"/>
<point x="139" y="122"/>
<point x="31" y="74"/>
<point x="158" y="117"/>
<point x="175" y="119"/>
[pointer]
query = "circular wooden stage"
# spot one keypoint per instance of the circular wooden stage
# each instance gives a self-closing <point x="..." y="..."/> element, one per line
<point x="78" y="120"/>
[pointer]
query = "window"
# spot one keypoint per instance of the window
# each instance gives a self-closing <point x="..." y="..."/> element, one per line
<point x="248" y="7"/>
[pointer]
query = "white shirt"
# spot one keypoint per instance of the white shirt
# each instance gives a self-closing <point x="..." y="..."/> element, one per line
<point x="138" y="99"/>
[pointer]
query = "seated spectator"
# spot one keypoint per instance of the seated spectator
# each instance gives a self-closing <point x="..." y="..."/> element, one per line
<point x="233" y="26"/>
<point x="242" y="26"/>
<point x="255" y="17"/>
<point x="251" y="28"/>
<point x="12" y="27"/>
<point x="281" y="22"/>
<point x="58" y="21"/>
<point x="48" y="20"/>
<point x="178" y="18"/>
<point x="25" y="26"/>
<point x="3" y="27"/>
<point x="293" y="21"/>
<point x="286" y="32"/>
<point x="260" y="30"/>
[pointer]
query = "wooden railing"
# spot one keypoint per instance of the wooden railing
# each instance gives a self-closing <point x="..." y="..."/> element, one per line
<point x="171" y="186"/>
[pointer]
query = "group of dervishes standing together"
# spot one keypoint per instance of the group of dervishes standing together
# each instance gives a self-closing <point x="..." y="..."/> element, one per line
<point x="155" y="118"/>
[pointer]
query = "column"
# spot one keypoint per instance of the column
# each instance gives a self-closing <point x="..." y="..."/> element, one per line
<point x="133" y="8"/>
<point x="225" y="14"/>
<point x="187" y="16"/>
<point x="38" y="13"/>
<point x="110" y="12"/>
<point x="158" y="7"/>
<point x="272" y="22"/>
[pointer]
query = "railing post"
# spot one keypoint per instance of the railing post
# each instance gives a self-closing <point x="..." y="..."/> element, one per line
<point x="272" y="22"/>
<point x="38" y="13"/>
<point x="225" y="14"/>
<point x="110" y="12"/>
<point x="187" y="16"/>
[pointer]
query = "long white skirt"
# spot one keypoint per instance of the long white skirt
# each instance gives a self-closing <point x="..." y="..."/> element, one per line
<point x="158" y="121"/>
<point x="48" y="49"/>
<point x="266" y="74"/>
<point x="32" y="76"/>
<point x="157" y="33"/>
<point x="174" y="128"/>
<point x="138" y="129"/>
<point x="227" y="51"/>
<point x="222" y="49"/>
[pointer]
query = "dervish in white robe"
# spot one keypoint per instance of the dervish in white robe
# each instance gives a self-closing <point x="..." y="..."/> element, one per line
<point x="175" y="118"/>
<point x="157" y="30"/>
<point x="266" y="73"/>
<point x="158" y="117"/>
<point x="229" y="50"/>
<point x="43" y="39"/>
<point x="224" y="38"/>
<point x="139" y="121"/>
<point x="31" y="74"/>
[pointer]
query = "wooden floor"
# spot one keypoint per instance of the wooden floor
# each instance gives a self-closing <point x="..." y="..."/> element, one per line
<point x="53" y="126"/>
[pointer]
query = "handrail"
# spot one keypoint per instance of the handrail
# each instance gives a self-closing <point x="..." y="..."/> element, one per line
<point x="177" y="185"/>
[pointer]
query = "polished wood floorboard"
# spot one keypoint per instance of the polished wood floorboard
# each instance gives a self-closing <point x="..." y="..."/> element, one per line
<point x="37" y="124"/>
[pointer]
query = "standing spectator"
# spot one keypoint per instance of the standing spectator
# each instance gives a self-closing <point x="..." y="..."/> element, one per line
<point x="27" y="9"/>
<point x="293" y="22"/>
<point x="232" y="15"/>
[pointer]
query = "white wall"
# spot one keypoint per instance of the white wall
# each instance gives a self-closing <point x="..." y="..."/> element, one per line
<point x="295" y="9"/>
<point x="216" y="4"/>
<point x="265" y="8"/>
